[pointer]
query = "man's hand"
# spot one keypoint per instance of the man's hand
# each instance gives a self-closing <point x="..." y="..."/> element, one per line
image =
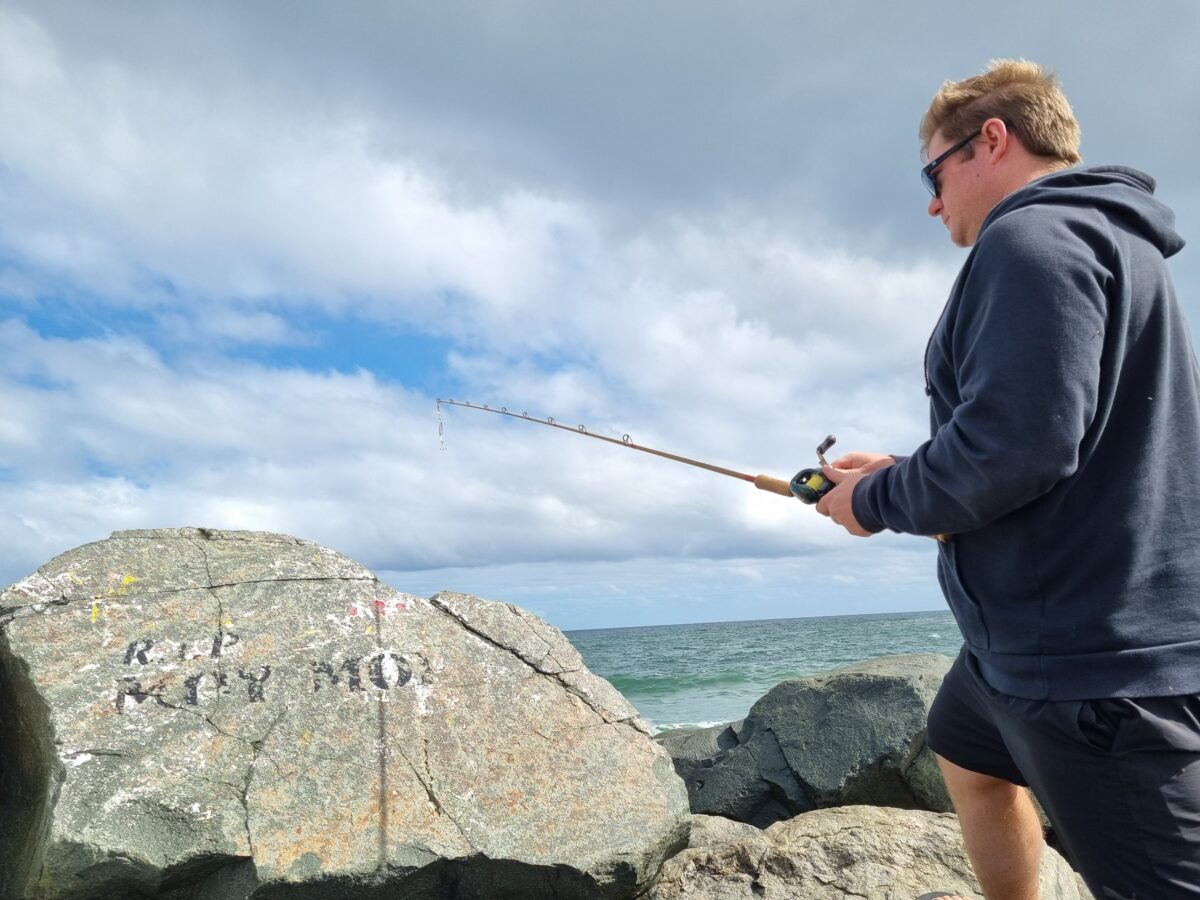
<point x="846" y="472"/>
<point x="863" y="462"/>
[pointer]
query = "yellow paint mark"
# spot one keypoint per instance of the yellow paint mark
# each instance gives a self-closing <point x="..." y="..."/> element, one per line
<point x="128" y="580"/>
<point x="95" y="611"/>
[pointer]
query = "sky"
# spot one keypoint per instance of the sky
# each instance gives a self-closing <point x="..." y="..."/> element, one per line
<point x="245" y="247"/>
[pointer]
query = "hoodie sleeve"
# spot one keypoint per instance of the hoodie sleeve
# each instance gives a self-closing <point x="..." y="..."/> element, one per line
<point x="1024" y="349"/>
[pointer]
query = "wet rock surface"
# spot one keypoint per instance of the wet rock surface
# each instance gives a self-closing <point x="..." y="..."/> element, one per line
<point x="225" y="715"/>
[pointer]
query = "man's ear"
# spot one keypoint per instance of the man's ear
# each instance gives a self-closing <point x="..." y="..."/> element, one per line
<point x="996" y="137"/>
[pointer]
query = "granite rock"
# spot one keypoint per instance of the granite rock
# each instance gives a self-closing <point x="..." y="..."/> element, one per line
<point x="708" y="831"/>
<point x="226" y="715"/>
<point x="846" y="853"/>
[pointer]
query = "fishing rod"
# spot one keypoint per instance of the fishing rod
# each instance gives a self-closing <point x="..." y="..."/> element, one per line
<point x="809" y="485"/>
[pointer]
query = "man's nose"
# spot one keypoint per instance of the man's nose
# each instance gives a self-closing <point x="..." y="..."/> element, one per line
<point x="935" y="206"/>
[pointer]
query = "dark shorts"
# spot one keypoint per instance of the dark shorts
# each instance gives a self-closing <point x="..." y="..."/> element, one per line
<point x="1118" y="778"/>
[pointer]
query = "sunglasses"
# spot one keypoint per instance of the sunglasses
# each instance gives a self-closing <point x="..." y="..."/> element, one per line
<point x="927" y="174"/>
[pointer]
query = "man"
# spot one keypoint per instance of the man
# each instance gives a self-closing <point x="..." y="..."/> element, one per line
<point x="1063" y="476"/>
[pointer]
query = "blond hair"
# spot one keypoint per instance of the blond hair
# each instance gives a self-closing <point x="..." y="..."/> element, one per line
<point x="1025" y="96"/>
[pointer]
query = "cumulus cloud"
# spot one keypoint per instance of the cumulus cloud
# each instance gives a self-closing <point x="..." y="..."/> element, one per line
<point x="105" y="433"/>
<point x="121" y="188"/>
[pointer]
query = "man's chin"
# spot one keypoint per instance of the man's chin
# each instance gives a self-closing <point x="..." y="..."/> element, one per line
<point x="961" y="240"/>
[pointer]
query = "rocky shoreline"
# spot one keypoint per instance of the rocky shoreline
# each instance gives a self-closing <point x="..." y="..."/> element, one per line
<point x="826" y="790"/>
<point x="190" y="714"/>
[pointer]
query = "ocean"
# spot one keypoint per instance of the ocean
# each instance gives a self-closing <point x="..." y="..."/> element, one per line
<point x="696" y="675"/>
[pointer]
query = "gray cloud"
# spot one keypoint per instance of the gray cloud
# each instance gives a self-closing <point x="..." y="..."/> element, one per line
<point x="662" y="106"/>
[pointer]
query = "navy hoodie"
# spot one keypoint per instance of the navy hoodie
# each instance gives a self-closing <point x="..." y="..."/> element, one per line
<point x="1065" y="456"/>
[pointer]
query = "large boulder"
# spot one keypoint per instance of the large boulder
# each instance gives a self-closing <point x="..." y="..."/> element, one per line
<point x="855" y="735"/>
<point x="219" y="716"/>
<point x="847" y="853"/>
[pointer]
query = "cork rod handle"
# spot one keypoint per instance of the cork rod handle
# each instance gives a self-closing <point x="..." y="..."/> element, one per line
<point x="774" y="485"/>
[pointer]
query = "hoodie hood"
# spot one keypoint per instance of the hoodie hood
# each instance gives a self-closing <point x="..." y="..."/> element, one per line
<point x="1122" y="194"/>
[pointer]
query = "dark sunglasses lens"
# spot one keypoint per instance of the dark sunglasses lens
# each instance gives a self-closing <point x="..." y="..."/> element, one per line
<point x="930" y="181"/>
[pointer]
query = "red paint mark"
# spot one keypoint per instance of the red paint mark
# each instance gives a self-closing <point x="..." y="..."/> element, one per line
<point x="383" y="606"/>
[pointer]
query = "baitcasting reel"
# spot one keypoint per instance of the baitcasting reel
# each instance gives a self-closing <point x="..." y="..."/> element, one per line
<point x="810" y="485"/>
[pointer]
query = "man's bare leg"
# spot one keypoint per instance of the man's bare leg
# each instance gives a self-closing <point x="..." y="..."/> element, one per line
<point x="1001" y="830"/>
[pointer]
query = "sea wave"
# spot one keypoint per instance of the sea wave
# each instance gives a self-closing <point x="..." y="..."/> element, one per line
<point x="664" y="685"/>
<point x="674" y="726"/>
<point x="681" y="676"/>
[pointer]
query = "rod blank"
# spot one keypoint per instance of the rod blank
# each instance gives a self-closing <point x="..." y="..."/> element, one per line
<point x="762" y="482"/>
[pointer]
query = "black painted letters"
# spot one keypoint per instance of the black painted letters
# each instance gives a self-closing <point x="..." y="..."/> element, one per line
<point x="386" y="669"/>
